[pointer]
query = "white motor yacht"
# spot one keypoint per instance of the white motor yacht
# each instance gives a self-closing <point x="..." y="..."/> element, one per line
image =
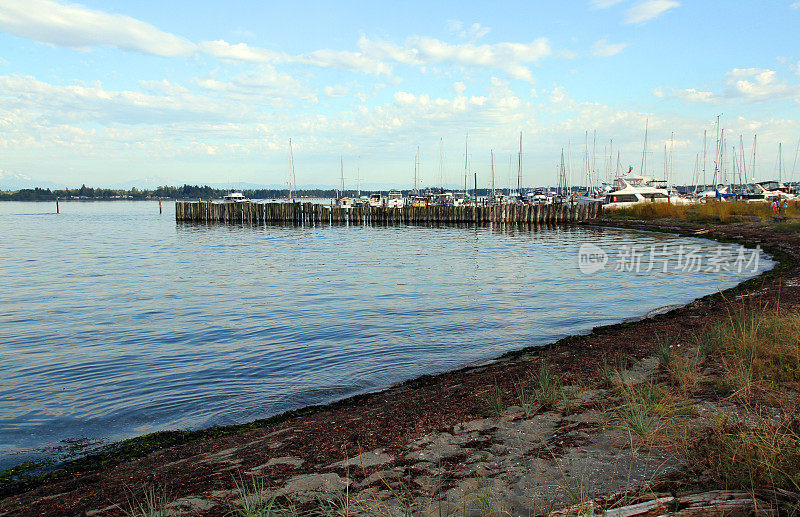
<point x="376" y="200"/>
<point x="632" y="188"/>
<point x="395" y="199"/>
<point x="234" y="197"/>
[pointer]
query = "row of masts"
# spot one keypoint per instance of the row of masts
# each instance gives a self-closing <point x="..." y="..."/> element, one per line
<point x="720" y="174"/>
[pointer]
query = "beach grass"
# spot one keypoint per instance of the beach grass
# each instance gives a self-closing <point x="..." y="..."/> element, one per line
<point x="711" y="212"/>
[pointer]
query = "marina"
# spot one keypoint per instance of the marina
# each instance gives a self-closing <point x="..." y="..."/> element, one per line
<point x="409" y="259"/>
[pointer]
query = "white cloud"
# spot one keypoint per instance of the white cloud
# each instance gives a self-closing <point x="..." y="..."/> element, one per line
<point x="57" y="104"/>
<point x="602" y="48"/>
<point x="694" y="95"/>
<point x="647" y="10"/>
<point x="603" y="4"/>
<point x="795" y="5"/>
<point x="421" y="51"/>
<point x="265" y="83"/>
<point x="343" y="60"/>
<point x="750" y="85"/>
<point x="164" y="87"/>
<point x="477" y="31"/>
<point x="759" y="85"/>
<point x="405" y="98"/>
<point x="459" y="87"/>
<point x="336" y="91"/>
<point x="337" y="59"/>
<point x="453" y="25"/>
<point x="81" y="28"/>
<point x="239" y="52"/>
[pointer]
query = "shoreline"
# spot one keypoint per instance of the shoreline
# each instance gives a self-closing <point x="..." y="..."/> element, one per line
<point x="423" y="410"/>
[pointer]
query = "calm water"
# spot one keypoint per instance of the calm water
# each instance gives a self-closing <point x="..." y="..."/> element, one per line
<point x="115" y="321"/>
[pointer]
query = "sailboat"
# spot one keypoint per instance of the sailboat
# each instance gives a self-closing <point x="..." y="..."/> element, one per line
<point x="592" y="195"/>
<point x="462" y="198"/>
<point x="772" y="190"/>
<point x="342" y="201"/>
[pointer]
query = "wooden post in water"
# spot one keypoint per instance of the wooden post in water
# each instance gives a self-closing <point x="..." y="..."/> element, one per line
<point x="58" y="210"/>
<point x="159" y="206"/>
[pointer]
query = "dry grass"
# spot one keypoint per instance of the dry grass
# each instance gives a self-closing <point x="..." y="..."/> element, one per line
<point x="756" y="346"/>
<point x="757" y="354"/>
<point x="708" y="212"/>
<point x="761" y="456"/>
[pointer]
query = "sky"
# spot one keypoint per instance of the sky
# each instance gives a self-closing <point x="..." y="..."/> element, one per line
<point x="105" y="93"/>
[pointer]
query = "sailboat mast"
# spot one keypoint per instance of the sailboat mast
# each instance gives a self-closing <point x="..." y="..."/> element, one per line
<point x="644" y="149"/>
<point x="466" y="163"/>
<point x="594" y="157"/>
<point x="291" y="170"/>
<point x="341" y="172"/>
<point x="441" y="164"/>
<point x="671" y="157"/>
<point x="742" y="163"/>
<point x="569" y="164"/>
<point x="722" y="156"/>
<point x="780" y="161"/>
<point x="492" y="155"/>
<point x="358" y="175"/>
<point x="510" y="161"/>
<point x="416" y="172"/>
<point x="715" y="179"/>
<point x="586" y="159"/>
<point x="753" y="168"/>
<point x="705" y="133"/>
<point x="519" y="165"/>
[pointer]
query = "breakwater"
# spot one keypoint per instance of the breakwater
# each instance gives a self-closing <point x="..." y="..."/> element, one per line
<point x="312" y="213"/>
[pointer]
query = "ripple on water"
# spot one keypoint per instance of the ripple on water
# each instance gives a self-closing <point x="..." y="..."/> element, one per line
<point x="115" y="321"/>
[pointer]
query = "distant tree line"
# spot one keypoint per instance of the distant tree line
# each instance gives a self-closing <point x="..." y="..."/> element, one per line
<point x="167" y="192"/>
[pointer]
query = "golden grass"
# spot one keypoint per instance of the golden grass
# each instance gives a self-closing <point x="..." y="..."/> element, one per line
<point x="712" y="211"/>
<point x="756" y="346"/>
<point x="764" y="455"/>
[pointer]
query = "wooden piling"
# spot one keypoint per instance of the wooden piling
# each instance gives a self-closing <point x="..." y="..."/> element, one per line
<point x="309" y="214"/>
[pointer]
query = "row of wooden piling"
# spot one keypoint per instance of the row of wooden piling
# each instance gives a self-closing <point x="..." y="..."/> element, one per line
<point x="313" y="214"/>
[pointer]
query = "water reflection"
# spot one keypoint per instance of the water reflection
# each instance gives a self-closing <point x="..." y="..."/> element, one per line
<point x="115" y="321"/>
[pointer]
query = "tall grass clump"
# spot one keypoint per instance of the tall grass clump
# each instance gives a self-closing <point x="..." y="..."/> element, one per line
<point x="665" y="344"/>
<point x="643" y="408"/>
<point x="765" y="455"/>
<point x="756" y="346"/>
<point x="543" y="391"/>
<point x="548" y="387"/>
<point x="708" y="212"/>
<point x="153" y="503"/>
<point x="494" y="400"/>
<point x="254" y="502"/>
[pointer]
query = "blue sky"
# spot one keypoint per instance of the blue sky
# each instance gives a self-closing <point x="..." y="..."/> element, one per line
<point x="206" y="92"/>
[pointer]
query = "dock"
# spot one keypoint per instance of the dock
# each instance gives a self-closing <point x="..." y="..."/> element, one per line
<point x="311" y="214"/>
